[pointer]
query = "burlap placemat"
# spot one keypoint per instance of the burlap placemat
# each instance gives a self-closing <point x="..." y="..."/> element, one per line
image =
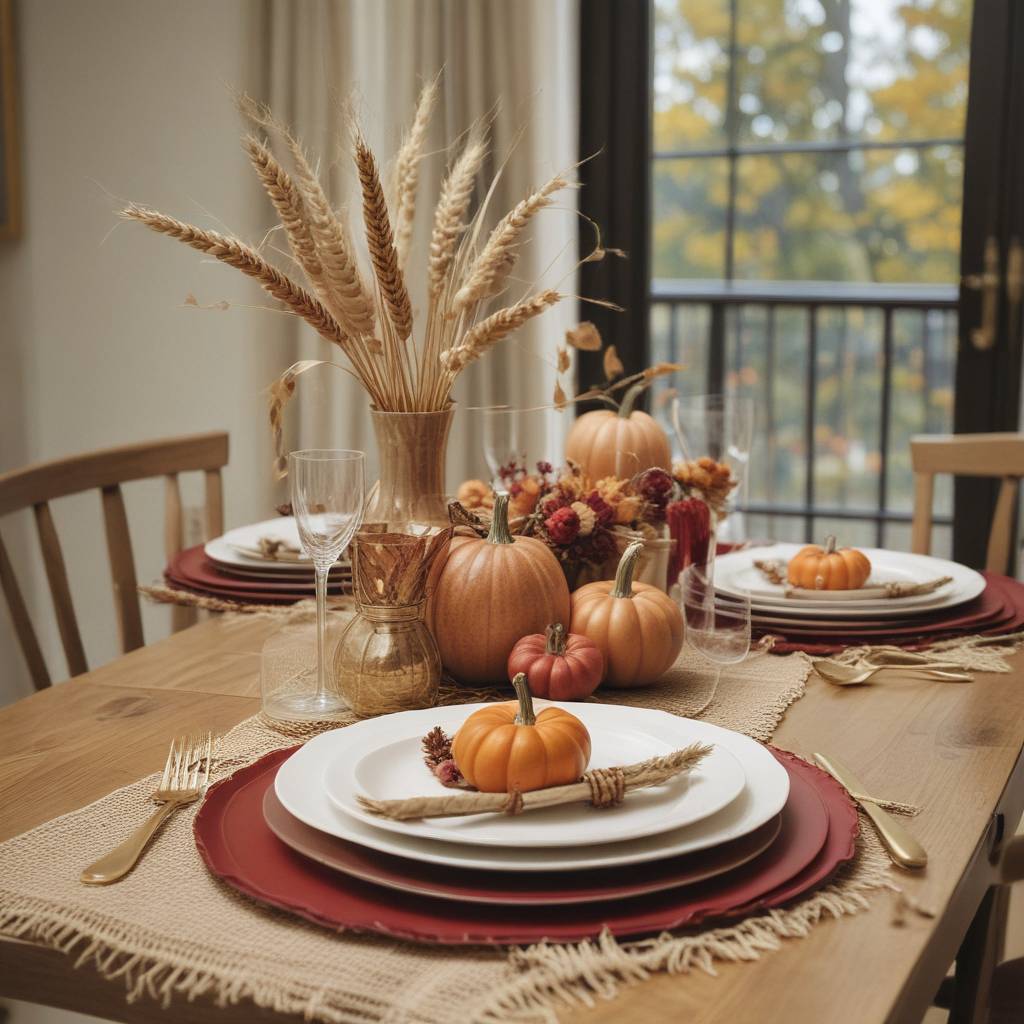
<point x="172" y="930"/>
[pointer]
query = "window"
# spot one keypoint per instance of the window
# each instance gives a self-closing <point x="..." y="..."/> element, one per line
<point x="806" y="174"/>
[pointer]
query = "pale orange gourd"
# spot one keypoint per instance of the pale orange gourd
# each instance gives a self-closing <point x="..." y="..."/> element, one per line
<point x="623" y="443"/>
<point x="505" y="748"/>
<point x="829" y="568"/>
<point x="638" y="627"/>
<point x="490" y="593"/>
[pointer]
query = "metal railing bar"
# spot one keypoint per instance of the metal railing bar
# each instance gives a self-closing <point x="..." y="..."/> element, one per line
<point x="801" y="293"/>
<point x="809" y="146"/>
<point x="886" y="422"/>
<point x="810" y="416"/>
<point x="829" y="512"/>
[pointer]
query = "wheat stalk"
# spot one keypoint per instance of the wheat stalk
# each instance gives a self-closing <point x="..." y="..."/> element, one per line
<point x="285" y="196"/>
<point x="407" y="169"/>
<point x="348" y="297"/>
<point x="244" y="258"/>
<point x="449" y="217"/>
<point x="380" y="242"/>
<point x="488" y="332"/>
<point x="491" y="268"/>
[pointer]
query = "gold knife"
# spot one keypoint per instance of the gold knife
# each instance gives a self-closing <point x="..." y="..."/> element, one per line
<point x="904" y="849"/>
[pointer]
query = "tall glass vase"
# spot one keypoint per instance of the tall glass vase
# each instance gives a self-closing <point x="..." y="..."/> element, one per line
<point x="412" y="447"/>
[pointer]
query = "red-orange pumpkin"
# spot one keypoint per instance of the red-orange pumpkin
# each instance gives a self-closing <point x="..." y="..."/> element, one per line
<point x="558" y="666"/>
<point x="638" y="627"/>
<point x="490" y="593"/>
<point x="623" y="443"/>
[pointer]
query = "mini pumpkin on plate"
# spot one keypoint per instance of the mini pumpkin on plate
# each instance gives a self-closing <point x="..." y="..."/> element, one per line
<point x="829" y="568"/>
<point x="505" y="748"/>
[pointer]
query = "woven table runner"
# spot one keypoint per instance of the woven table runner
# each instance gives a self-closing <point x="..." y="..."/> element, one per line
<point x="170" y="930"/>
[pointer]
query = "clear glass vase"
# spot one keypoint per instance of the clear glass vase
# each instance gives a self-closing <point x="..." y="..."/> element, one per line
<point x="412" y="447"/>
<point x="386" y="659"/>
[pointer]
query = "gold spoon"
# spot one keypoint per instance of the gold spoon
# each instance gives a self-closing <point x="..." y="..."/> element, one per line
<point x="853" y="675"/>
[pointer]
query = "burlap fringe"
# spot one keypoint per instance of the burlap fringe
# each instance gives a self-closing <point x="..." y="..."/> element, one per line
<point x="549" y="978"/>
<point x="558" y="977"/>
<point x="96" y="942"/>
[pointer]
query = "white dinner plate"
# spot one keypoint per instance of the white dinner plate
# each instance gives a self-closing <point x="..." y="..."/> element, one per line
<point x="298" y="788"/>
<point x="736" y="575"/>
<point x="229" y="549"/>
<point x="382" y="758"/>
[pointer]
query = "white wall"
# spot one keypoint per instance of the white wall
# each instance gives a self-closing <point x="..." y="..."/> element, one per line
<point x="127" y="99"/>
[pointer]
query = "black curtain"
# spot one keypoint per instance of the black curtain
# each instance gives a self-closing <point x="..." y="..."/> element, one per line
<point x="615" y="133"/>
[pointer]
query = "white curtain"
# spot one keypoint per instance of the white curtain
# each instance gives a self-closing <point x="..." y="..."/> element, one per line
<point x="519" y="55"/>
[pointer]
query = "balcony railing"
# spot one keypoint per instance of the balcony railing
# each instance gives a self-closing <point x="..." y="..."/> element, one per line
<point x="869" y="365"/>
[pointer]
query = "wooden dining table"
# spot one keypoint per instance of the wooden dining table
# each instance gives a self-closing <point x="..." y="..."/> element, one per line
<point x="953" y="749"/>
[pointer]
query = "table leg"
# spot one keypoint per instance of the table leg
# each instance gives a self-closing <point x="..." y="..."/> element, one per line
<point x="979" y="954"/>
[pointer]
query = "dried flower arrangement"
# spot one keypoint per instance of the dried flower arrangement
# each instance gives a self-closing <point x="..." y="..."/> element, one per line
<point x="584" y="523"/>
<point x="402" y="365"/>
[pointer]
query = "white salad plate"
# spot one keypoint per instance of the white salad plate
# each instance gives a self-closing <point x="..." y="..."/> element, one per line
<point x="736" y="575"/>
<point x="239" y="548"/>
<point x="383" y="759"/>
<point x="298" y="786"/>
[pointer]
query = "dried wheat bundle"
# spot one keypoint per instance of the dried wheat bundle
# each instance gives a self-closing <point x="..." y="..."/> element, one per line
<point x="404" y="362"/>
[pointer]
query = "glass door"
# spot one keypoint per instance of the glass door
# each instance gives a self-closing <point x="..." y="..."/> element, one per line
<point x="988" y="376"/>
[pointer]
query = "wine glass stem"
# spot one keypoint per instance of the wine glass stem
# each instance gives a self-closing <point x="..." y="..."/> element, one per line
<point x="321" y="629"/>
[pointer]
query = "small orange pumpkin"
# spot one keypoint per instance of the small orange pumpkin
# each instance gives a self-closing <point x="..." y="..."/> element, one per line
<point x="638" y="627"/>
<point x="829" y="568"/>
<point x="505" y="748"/>
<point x="606" y="443"/>
<point x="490" y="593"/>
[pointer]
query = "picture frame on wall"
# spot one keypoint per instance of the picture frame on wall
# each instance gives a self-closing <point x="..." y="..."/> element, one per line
<point x="10" y="162"/>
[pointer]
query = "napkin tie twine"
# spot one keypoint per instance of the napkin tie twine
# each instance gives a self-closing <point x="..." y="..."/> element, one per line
<point x="607" y="789"/>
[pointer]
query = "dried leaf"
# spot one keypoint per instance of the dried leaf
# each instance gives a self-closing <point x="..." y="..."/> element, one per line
<point x="612" y="364"/>
<point x="559" y="399"/>
<point x="221" y="305"/>
<point x="563" y="359"/>
<point x="585" y="337"/>
<point x="661" y="370"/>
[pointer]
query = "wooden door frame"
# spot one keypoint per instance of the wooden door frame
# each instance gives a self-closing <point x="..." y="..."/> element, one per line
<point x="988" y="383"/>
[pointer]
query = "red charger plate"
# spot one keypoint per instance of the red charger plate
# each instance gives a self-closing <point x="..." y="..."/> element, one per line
<point x="239" y="847"/>
<point x="517" y="889"/>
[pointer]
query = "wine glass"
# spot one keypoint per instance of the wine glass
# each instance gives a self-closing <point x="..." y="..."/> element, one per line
<point x="327" y="499"/>
<point x="722" y="427"/>
<point x="717" y="624"/>
<point x="502" y="443"/>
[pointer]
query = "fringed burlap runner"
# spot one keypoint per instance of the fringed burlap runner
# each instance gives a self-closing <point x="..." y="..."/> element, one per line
<point x="170" y="930"/>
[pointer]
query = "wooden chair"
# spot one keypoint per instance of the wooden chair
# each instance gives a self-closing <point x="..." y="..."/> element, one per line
<point x="988" y="455"/>
<point x="105" y="471"/>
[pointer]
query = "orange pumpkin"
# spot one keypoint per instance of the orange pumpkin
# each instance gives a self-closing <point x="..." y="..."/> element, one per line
<point x="829" y="568"/>
<point x="623" y="443"/>
<point x="490" y="593"/>
<point x="504" y="748"/>
<point x="638" y="627"/>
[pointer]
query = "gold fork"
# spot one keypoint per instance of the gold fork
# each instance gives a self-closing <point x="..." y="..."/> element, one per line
<point x="186" y="775"/>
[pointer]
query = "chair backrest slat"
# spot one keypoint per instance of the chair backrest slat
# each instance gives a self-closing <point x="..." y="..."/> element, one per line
<point x="122" y="569"/>
<point x="27" y="639"/>
<point x="174" y="521"/>
<point x="214" y="504"/>
<point x="36" y="486"/>
<point x="60" y="591"/>
<point x="975" y="455"/>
